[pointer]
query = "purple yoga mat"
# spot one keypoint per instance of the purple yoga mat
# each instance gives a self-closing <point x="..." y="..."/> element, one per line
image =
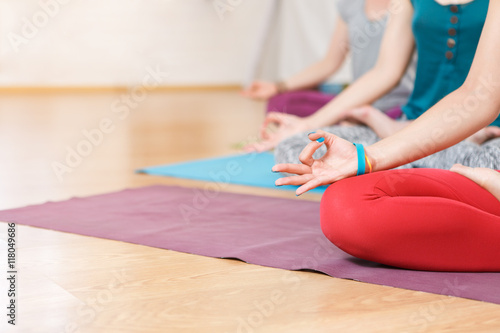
<point x="280" y="233"/>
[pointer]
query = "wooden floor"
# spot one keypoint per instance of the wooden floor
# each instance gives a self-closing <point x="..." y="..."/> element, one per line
<point x="71" y="283"/>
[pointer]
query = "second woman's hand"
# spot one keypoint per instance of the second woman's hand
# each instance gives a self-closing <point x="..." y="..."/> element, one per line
<point x="261" y="90"/>
<point x="339" y="162"/>
<point x="277" y="127"/>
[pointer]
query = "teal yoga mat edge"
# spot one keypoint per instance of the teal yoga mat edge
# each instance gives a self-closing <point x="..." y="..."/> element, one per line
<point x="169" y="170"/>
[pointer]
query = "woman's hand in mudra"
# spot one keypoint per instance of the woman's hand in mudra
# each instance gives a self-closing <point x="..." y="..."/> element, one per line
<point x="339" y="162"/>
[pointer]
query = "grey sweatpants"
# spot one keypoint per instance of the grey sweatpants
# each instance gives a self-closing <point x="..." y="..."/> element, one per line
<point x="467" y="153"/>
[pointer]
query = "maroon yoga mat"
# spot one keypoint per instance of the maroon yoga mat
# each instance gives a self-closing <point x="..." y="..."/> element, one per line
<point x="280" y="233"/>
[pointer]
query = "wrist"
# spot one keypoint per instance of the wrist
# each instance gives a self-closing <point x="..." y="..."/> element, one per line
<point x="281" y="87"/>
<point x="373" y="157"/>
<point x="326" y="116"/>
<point x="368" y="163"/>
<point x="308" y="123"/>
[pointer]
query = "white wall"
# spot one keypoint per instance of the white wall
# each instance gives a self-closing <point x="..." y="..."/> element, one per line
<point x="300" y="35"/>
<point x="114" y="42"/>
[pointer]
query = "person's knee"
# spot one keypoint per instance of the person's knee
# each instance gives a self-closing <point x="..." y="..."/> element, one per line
<point x="337" y="214"/>
<point x="345" y="220"/>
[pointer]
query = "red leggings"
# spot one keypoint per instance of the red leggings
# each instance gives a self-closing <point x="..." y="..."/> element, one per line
<point x="423" y="219"/>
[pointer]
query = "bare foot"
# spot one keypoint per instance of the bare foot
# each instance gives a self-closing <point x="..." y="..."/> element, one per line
<point x="488" y="179"/>
<point x="381" y="124"/>
<point x="484" y="135"/>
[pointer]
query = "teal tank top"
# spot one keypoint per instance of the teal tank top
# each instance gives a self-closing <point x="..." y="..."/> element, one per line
<point x="446" y="39"/>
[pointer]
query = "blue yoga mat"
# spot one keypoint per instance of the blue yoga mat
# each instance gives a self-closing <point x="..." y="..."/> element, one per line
<point x="252" y="169"/>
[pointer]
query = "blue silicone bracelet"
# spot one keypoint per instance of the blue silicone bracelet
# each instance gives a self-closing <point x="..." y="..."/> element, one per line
<point x="361" y="159"/>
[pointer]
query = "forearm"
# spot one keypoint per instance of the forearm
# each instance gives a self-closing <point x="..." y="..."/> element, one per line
<point x="366" y="90"/>
<point x="450" y="121"/>
<point x="313" y="75"/>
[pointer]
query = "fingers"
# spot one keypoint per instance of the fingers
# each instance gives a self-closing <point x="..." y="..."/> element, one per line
<point x="306" y="155"/>
<point x="313" y="183"/>
<point x="475" y="174"/>
<point x="294" y="180"/>
<point x="318" y="138"/>
<point x="298" y="169"/>
<point x="271" y="118"/>
<point x="463" y="170"/>
<point x="329" y="137"/>
<point x="249" y="90"/>
<point x="247" y="93"/>
<point x="270" y="132"/>
<point x="458" y="167"/>
<point x="250" y="148"/>
<point x="259" y="146"/>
